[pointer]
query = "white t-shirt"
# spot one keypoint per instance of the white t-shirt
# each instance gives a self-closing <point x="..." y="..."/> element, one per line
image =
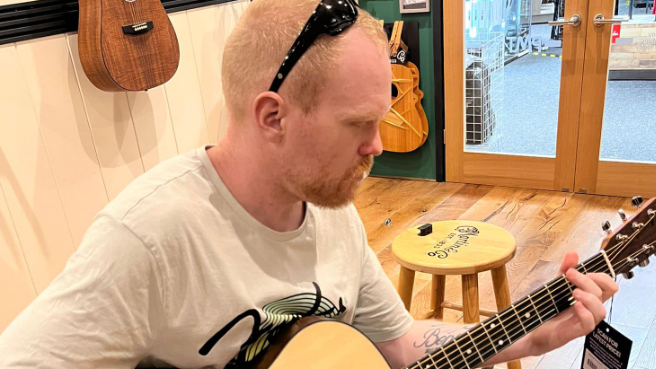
<point x="174" y="272"/>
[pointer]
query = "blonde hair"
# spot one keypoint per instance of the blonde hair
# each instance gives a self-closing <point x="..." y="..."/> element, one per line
<point x="261" y="39"/>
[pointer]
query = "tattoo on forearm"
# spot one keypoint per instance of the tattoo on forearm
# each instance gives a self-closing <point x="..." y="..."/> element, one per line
<point x="438" y="335"/>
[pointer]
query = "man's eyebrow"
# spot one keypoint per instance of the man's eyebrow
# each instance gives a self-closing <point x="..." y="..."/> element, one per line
<point x="362" y="117"/>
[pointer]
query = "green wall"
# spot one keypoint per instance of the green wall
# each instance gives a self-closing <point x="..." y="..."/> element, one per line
<point x="420" y="163"/>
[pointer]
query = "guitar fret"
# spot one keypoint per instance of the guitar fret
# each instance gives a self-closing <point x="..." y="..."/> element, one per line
<point x="504" y="329"/>
<point x="568" y="284"/>
<point x="447" y="357"/>
<point x="490" y="338"/>
<point x="527" y="314"/>
<point x="464" y="358"/>
<point x="551" y="298"/>
<point x="501" y="338"/>
<point x="536" y="310"/>
<point x="476" y="347"/>
<point x="519" y="319"/>
<point x="432" y="361"/>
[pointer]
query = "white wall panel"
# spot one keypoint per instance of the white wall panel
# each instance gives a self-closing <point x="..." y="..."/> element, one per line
<point x="113" y="133"/>
<point x="59" y="111"/>
<point x="26" y="178"/>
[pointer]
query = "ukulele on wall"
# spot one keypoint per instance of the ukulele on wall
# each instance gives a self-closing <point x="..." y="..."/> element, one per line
<point x="314" y="342"/>
<point x="405" y="127"/>
<point x="126" y="44"/>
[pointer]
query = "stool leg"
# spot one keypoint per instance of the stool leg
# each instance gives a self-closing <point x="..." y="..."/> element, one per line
<point x="502" y="295"/>
<point x="437" y="295"/>
<point x="470" y="298"/>
<point x="406" y="281"/>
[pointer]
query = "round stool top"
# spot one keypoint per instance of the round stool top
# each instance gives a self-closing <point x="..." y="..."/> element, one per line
<point x="456" y="247"/>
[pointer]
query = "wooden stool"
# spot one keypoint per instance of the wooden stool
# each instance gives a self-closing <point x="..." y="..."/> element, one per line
<point x="456" y="247"/>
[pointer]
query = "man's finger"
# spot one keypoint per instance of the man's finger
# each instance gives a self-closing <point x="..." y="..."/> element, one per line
<point x="608" y="286"/>
<point x="592" y="304"/>
<point x="586" y="319"/>
<point x="571" y="259"/>
<point x="583" y="282"/>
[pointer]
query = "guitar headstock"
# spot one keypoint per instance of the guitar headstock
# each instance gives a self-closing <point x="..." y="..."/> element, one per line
<point x="632" y="243"/>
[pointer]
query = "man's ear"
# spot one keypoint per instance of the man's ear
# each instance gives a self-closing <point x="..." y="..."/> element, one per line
<point x="269" y="109"/>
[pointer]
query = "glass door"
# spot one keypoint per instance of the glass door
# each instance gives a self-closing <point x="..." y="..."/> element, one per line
<point x="617" y="149"/>
<point x="513" y="92"/>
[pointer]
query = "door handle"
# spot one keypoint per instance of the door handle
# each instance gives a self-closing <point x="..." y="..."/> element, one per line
<point x="574" y="21"/>
<point x="599" y="20"/>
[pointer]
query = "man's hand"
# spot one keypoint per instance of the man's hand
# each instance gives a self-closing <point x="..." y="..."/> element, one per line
<point x="593" y="289"/>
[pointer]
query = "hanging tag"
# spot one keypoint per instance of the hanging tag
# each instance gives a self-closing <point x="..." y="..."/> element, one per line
<point x="606" y="348"/>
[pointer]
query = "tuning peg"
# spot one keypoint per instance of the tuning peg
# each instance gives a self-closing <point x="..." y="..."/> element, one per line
<point x="628" y="275"/>
<point x="637" y="201"/>
<point x="606" y="226"/>
<point x="622" y="215"/>
<point x="644" y="263"/>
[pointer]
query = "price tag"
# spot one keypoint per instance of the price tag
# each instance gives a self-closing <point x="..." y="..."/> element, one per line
<point x="606" y="348"/>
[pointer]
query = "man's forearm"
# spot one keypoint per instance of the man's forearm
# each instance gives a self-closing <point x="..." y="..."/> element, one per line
<point x="427" y="336"/>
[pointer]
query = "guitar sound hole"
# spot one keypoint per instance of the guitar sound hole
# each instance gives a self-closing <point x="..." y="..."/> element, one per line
<point x="395" y="91"/>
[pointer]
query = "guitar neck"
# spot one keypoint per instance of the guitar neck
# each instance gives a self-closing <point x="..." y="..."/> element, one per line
<point x="490" y="337"/>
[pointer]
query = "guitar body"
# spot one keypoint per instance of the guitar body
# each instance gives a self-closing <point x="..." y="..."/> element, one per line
<point x="126" y="45"/>
<point x="320" y="343"/>
<point x="405" y="127"/>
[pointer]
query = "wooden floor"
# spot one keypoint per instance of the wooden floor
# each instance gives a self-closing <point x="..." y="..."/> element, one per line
<point x="545" y="225"/>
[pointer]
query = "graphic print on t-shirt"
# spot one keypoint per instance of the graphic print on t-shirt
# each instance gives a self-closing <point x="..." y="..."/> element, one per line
<point x="278" y="314"/>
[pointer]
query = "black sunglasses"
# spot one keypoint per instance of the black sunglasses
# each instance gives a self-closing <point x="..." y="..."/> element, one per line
<point x="331" y="17"/>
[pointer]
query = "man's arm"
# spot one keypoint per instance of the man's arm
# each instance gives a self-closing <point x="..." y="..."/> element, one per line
<point x="592" y="290"/>
<point x="427" y="336"/>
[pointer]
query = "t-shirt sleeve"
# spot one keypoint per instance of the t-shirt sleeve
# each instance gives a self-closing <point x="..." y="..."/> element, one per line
<point x="102" y="311"/>
<point x="380" y="313"/>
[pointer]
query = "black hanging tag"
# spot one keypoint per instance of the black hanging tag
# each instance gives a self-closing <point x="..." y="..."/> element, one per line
<point x="606" y="348"/>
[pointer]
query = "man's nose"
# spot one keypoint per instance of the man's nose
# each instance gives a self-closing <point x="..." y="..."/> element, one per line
<point x="372" y="147"/>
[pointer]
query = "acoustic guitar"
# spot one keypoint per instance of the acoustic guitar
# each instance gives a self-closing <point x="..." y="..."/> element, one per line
<point x="321" y="344"/>
<point x="405" y="127"/>
<point x="126" y="44"/>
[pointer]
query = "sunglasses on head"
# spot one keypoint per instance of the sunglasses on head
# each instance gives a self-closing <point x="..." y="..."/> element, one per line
<point x="331" y="17"/>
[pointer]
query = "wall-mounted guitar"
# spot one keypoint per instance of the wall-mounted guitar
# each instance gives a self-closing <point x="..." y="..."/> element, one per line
<point x="126" y="44"/>
<point x="405" y="127"/>
<point x="315" y="343"/>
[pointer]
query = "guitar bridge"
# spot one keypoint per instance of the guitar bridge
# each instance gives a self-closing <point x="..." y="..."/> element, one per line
<point x="138" y="28"/>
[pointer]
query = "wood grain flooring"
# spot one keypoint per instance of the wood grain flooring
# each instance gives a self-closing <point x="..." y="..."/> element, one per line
<point x="545" y="224"/>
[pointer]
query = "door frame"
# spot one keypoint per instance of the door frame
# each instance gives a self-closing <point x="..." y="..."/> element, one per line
<point x="616" y="178"/>
<point x="513" y="170"/>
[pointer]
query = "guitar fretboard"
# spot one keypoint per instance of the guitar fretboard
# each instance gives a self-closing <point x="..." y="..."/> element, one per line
<point x="472" y="348"/>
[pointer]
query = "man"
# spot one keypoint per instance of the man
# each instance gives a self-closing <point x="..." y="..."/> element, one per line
<point x="200" y="261"/>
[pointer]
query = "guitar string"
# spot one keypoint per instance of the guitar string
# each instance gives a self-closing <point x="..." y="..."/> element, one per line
<point x="614" y="251"/>
<point x="551" y="313"/>
<point x="499" y="333"/>
<point x="524" y="307"/>
<point x="511" y="331"/>
<point x="560" y="300"/>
